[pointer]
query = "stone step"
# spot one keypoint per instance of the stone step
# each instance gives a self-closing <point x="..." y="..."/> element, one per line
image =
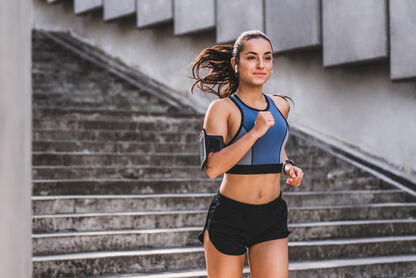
<point x="47" y="172"/>
<point x="75" y="242"/>
<point x="114" y="135"/>
<point x="101" y="105"/>
<point x="184" y="185"/>
<point x="127" y="239"/>
<point x="160" y="260"/>
<point x="386" y="266"/>
<point x="141" y="202"/>
<point x="115" y="159"/>
<point x="140" y="123"/>
<point x="111" y="146"/>
<point x="166" y="158"/>
<point x="150" y="219"/>
<point x="114" y="172"/>
<point x="114" y="114"/>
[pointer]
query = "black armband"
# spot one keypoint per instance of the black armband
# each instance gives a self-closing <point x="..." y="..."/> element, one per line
<point x="209" y="143"/>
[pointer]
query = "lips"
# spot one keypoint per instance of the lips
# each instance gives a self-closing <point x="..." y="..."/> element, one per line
<point x="259" y="73"/>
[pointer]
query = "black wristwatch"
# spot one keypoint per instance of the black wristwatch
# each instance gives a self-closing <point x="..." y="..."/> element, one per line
<point x="284" y="164"/>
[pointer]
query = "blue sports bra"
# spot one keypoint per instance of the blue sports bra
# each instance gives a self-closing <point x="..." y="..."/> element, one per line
<point x="266" y="154"/>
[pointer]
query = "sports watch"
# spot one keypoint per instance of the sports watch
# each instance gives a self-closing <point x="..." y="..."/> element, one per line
<point x="286" y="162"/>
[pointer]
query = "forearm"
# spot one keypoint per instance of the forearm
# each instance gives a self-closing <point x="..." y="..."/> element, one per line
<point x="284" y="155"/>
<point x="223" y="160"/>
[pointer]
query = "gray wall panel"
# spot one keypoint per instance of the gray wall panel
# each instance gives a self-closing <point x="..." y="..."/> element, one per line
<point x="152" y="12"/>
<point x="354" y="31"/>
<point x="82" y="6"/>
<point x="402" y="39"/>
<point x="236" y="16"/>
<point x="293" y="24"/>
<point x="116" y="8"/>
<point x="193" y="15"/>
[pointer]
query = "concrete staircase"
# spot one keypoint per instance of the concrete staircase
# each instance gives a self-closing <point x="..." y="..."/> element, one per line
<point x="117" y="191"/>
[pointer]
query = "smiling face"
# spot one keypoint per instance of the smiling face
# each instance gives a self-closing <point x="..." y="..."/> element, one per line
<point x="256" y="62"/>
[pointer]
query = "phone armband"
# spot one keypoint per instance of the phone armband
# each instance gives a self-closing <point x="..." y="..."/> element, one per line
<point x="209" y="143"/>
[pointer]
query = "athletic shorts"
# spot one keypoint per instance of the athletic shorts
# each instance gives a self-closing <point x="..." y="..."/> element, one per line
<point x="234" y="226"/>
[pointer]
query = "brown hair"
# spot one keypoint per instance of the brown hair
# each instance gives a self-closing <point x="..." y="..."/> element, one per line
<point x="217" y="59"/>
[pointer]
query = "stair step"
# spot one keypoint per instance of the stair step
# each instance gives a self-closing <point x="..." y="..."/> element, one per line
<point x="47" y="172"/>
<point x="122" y="203"/>
<point x="160" y="260"/>
<point x="182" y="185"/>
<point x="114" y="114"/>
<point x="151" y="219"/>
<point x="140" y="123"/>
<point x="116" y="159"/>
<point x="114" y="135"/>
<point x="63" y="146"/>
<point x="91" y="241"/>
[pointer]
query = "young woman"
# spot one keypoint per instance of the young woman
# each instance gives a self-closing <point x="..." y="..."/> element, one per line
<point x="244" y="135"/>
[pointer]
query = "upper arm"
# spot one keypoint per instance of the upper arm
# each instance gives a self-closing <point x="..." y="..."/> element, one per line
<point x="215" y="121"/>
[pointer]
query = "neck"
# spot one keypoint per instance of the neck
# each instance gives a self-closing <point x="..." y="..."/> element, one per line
<point x="253" y="95"/>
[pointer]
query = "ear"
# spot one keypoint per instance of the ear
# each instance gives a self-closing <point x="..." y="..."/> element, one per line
<point x="232" y="60"/>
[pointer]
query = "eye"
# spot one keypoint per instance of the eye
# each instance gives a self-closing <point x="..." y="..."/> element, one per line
<point x="268" y="58"/>
<point x="251" y="57"/>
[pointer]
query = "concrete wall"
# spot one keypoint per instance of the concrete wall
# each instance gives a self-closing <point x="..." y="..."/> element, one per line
<point x="15" y="139"/>
<point x="356" y="107"/>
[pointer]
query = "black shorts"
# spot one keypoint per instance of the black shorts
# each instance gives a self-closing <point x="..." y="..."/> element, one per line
<point x="234" y="226"/>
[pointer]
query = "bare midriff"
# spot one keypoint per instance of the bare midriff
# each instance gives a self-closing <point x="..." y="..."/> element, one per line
<point x="251" y="188"/>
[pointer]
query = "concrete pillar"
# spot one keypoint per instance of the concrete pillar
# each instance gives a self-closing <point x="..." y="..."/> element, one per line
<point x="83" y="6"/>
<point x="293" y="24"/>
<point x="154" y="12"/>
<point x="192" y="16"/>
<point x="115" y="8"/>
<point x="236" y="16"/>
<point x="354" y="31"/>
<point x="16" y="19"/>
<point x="402" y="39"/>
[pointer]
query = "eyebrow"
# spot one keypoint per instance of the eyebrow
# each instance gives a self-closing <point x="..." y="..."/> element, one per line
<point x="252" y="52"/>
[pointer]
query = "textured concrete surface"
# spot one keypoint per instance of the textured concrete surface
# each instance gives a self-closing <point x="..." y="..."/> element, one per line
<point x="293" y="24"/>
<point x="82" y="6"/>
<point x="16" y="19"/>
<point x="354" y="31"/>
<point x="193" y="15"/>
<point x="153" y="12"/>
<point x="114" y="8"/>
<point x="236" y="16"/>
<point x="402" y="39"/>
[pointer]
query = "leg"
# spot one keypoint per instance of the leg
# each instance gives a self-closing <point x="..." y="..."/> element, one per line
<point x="220" y="265"/>
<point x="269" y="259"/>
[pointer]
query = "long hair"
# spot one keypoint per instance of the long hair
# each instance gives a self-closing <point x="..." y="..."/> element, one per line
<point x="221" y="74"/>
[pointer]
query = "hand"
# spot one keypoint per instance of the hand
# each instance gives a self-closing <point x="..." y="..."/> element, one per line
<point x="263" y="122"/>
<point x="295" y="174"/>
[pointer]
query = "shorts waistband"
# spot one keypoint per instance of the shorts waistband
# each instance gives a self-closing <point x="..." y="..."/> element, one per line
<point x="224" y="199"/>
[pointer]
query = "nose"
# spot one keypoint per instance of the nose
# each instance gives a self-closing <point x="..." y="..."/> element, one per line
<point x="260" y="64"/>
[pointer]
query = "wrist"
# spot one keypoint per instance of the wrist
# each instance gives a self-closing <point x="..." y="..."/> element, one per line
<point x="254" y="134"/>
<point x="287" y="161"/>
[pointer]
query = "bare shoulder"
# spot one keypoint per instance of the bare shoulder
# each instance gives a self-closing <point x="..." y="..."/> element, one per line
<point x="281" y="103"/>
<point x="216" y="117"/>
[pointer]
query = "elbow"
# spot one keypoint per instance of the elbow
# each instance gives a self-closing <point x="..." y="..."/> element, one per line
<point x="211" y="173"/>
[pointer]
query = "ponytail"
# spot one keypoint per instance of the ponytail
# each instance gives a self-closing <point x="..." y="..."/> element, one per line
<point x="217" y="59"/>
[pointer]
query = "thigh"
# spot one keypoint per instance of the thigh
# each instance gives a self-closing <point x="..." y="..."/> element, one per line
<point x="269" y="259"/>
<point x="219" y="264"/>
